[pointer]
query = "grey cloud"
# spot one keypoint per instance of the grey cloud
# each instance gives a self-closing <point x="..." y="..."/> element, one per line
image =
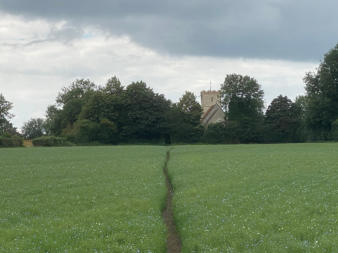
<point x="276" y="29"/>
<point x="65" y="33"/>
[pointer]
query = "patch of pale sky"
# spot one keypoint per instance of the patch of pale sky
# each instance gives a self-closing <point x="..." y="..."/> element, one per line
<point x="32" y="74"/>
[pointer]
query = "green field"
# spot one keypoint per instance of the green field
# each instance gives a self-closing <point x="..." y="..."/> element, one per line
<point x="228" y="198"/>
<point x="256" y="198"/>
<point x="82" y="199"/>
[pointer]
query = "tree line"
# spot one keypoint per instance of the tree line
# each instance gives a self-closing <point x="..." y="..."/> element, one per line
<point x="85" y="112"/>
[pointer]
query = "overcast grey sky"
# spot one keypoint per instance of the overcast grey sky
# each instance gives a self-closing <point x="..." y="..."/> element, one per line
<point x="172" y="45"/>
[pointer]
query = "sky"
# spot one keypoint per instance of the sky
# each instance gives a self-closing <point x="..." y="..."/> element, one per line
<point x="173" y="46"/>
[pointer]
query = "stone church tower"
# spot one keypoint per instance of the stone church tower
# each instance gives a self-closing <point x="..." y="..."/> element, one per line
<point x="212" y="109"/>
<point x="209" y="98"/>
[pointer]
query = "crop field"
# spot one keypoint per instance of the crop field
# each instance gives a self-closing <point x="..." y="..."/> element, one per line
<point x="256" y="198"/>
<point x="82" y="199"/>
<point x="227" y="198"/>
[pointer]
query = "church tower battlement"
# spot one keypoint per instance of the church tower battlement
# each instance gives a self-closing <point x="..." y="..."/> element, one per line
<point x="209" y="98"/>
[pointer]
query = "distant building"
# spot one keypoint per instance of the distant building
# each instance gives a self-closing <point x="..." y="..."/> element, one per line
<point x="212" y="109"/>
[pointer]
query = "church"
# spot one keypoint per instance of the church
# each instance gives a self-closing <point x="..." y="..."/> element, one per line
<point x="212" y="109"/>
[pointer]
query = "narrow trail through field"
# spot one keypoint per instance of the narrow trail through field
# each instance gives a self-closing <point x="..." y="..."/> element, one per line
<point x="173" y="240"/>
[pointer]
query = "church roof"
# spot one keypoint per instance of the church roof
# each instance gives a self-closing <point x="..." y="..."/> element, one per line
<point x="210" y="113"/>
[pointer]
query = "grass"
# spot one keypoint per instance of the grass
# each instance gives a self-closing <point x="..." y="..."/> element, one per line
<point x="228" y="198"/>
<point x="82" y="199"/>
<point x="256" y="198"/>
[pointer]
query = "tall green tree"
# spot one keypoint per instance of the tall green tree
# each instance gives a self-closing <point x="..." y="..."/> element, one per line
<point x="144" y="116"/>
<point x="283" y="120"/>
<point x="113" y="86"/>
<point x="5" y="107"/>
<point x="53" y="122"/>
<point x="322" y="96"/>
<point x="186" y="118"/>
<point x="107" y="102"/>
<point x="242" y="100"/>
<point x="33" y="128"/>
<point x="6" y="127"/>
<point x="60" y="118"/>
<point x="71" y="99"/>
<point x="100" y="115"/>
<point x="116" y="98"/>
<point x="190" y="107"/>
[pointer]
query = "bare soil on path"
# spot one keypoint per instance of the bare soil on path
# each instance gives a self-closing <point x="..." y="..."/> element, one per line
<point x="173" y="241"/>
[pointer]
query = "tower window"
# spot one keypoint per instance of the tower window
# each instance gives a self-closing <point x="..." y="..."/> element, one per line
<point x="212" y="99"/>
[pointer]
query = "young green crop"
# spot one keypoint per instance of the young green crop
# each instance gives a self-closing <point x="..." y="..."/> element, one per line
<point x="82" y="199"/>
<point x="228" y="198"/>
<point x="256" y="198"/>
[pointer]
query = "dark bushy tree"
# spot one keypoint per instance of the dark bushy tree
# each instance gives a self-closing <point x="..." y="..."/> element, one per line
<point x="53" y="122"/>
<point x="186" y="118"/>
<point x="109" y="114"/>
<point x="215" y="134"/>
<point x="108" y="132"/>
<point x="103" y="109"/>
<point x="71" y="100"/>
<point x="61" y="118"/>
<point x="33" y="128"/>
<point x="144" y="116"/>
<point x="334" y="129"/>
<point x="242" y="100"/>
<point x="6" y="127"/>
<point x="5" y="107"/>
<point x="322" y="96"/>
<point x="283" y="120"/>
<point x="188" y="105"/>
<point x="83" y="131"/>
